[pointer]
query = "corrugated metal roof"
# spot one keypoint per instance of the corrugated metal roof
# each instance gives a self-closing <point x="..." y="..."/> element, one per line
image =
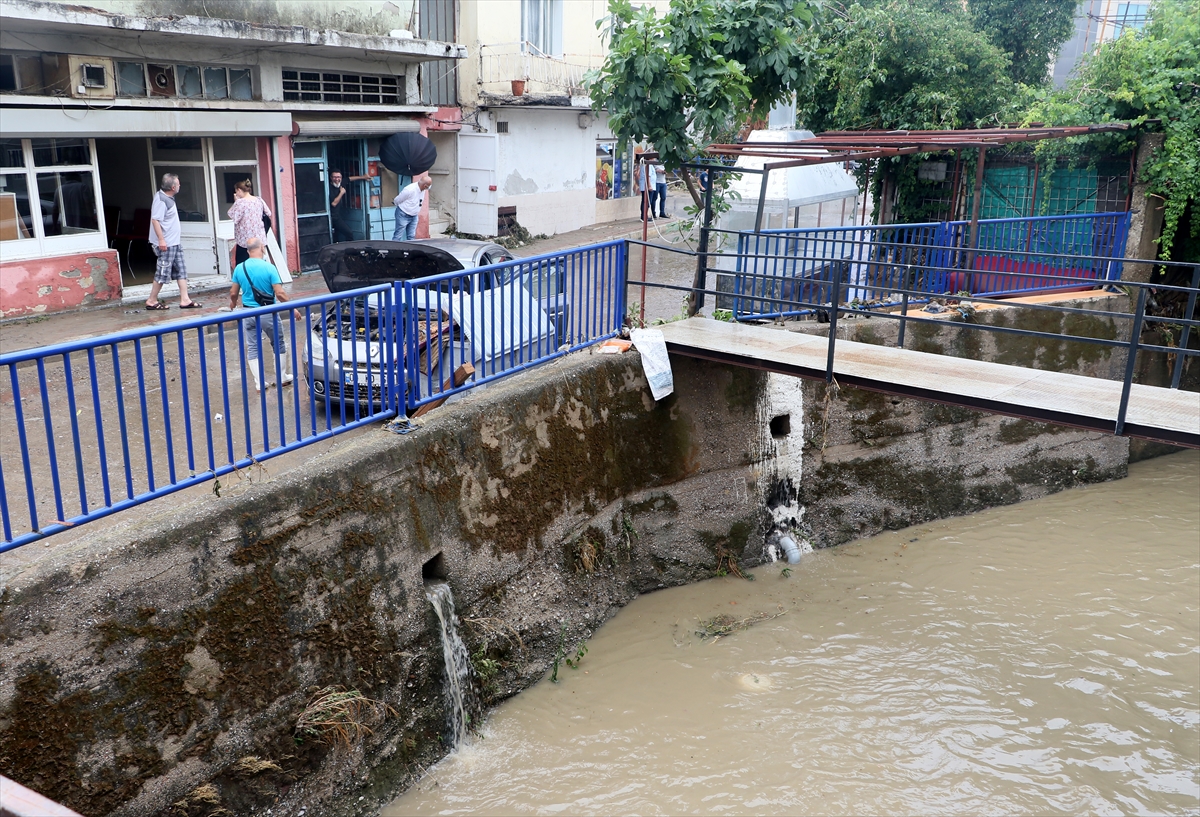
<point x="841" y="146"/>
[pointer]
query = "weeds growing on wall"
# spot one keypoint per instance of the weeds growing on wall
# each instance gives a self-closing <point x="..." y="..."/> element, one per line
<point x="340" y="717"/>
<point x="561" y="656"/>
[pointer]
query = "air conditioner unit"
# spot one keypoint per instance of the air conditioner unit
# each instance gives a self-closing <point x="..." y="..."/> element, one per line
<point x="91" y="77"/>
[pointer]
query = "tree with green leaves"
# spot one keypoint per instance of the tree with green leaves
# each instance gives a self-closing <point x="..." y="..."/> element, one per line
<point x="697" y="74"/>
<point x="905" y="65"/>
<point x="1151" y="79"/>
<point x="1030" y="32"/>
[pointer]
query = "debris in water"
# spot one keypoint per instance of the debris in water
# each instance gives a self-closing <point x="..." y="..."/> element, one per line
<point x="723" y="625"/>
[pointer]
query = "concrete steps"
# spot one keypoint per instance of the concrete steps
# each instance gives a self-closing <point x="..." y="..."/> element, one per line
<point x="438" y="223"/>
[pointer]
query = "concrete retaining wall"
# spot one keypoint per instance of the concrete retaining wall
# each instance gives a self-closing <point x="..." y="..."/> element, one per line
<point x="161" y="668"/>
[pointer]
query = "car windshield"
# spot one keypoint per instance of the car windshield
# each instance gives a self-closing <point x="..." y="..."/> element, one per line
<point x="541" y="279"/>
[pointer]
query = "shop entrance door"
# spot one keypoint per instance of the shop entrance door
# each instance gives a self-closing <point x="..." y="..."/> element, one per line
<point x="186" y="158"/>
<point x="312" y="200"/>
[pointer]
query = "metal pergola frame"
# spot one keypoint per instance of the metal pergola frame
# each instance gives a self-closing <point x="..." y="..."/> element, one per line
<point x="856" y="146"/>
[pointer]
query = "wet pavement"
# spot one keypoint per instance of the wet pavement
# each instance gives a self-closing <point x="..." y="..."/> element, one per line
<point x="203" y="407"/>
<point x="44" y="330"/>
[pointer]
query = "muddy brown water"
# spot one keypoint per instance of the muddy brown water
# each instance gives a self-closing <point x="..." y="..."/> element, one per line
<point x="1043" y="657"/>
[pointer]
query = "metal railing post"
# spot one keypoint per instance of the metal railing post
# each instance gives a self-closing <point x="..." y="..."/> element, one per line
<point x="1130" y="361"/>
<point x="906" y="283"/>
<point x="1187" y="329"/>
<point x="701" y="259"/>
<point x="833" y="316"/>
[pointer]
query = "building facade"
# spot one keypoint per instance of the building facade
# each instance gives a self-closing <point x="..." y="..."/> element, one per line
<point x="97" y="104"/>
<point x="1097" y="21"/>
<point x="532" y="150"/>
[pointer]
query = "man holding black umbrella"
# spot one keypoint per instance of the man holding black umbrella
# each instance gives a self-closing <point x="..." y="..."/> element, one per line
<point x="408" y="207"/>
<point x="338" y="193"/>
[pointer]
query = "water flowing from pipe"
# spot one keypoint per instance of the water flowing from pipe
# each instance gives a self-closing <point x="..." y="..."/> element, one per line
<point x="460" y="689"/>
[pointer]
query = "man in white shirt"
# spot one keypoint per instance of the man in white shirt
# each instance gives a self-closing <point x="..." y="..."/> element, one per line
<point x="408" y="207"/>
<point x="166" y="240"/>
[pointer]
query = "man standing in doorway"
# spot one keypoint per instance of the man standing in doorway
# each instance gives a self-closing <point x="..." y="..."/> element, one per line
<point x="339" y="207"/>
<point x="166" y="240"/>
<point x="408" y="207"/>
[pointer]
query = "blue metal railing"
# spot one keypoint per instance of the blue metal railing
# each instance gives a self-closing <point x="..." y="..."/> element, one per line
<point x="505" y="318"/>
<point x="1010" y="257"/>
<point x="133" y="416"/>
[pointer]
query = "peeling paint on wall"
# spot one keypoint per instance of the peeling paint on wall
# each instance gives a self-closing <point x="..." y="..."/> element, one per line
<point x="518" y="185"/>
<point x="40" y="285"/>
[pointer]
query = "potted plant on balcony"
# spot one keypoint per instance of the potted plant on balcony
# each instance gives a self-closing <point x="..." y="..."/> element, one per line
<point x="518" y="86"/>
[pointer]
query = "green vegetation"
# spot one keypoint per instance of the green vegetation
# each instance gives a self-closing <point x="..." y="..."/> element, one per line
<point x="1030" y="32"/>
<point x="695" y="75"/>
<point x="561" y="656"/>
<point x="1150" y="78"/>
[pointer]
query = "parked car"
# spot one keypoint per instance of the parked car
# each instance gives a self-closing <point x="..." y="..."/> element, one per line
<point x="493" y="319"/>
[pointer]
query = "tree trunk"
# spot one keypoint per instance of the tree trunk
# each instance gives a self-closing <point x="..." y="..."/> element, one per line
<point x="691" y="187"/>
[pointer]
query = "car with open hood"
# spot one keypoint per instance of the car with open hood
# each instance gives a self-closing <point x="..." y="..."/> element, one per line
<point x="510" y="311"/>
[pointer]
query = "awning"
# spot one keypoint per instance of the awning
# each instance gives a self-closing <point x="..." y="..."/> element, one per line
<point x="36" y="123"/>
<point x="355" y="127"/>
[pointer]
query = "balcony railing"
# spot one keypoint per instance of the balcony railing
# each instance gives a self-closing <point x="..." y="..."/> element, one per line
<point x="502" y="63"/>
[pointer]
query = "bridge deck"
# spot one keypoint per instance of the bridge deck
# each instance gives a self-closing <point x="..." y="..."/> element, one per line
<point x="1154" y="413"/>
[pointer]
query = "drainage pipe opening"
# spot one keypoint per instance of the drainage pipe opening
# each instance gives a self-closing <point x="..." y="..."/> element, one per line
<point x="435" y="570"/>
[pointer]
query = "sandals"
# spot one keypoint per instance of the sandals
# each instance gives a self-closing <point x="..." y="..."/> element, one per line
<point x="192" y="305"/>
<point x="158" y="307"/>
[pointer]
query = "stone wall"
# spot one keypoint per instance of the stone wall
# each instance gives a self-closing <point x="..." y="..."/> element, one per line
<point x="875" y="462"/>
<point x="160" y="667"/>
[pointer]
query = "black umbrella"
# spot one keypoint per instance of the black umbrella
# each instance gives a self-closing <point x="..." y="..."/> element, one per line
<point x="408" y="154"/>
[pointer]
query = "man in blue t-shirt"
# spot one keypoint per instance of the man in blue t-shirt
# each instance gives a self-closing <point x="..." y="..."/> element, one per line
<point x="248" y="276"/>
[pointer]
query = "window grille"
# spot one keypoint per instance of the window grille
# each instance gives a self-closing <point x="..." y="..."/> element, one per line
<point x="355" y="89"/>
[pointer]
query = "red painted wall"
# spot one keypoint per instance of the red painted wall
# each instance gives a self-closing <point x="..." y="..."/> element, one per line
<point x="287" y="198"/>
<point x="64" y="282"/>
<point x="444" y="119"/>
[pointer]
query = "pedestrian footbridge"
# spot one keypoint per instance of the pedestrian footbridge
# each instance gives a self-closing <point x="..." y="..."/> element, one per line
<point x="1153" y="413"/>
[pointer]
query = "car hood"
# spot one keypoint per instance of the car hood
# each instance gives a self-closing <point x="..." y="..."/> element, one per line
<point x="356" y="264"/>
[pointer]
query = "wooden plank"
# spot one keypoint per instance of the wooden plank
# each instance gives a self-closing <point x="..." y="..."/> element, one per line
<point x="460" y="376"/>
<point x="1054" y="396"/>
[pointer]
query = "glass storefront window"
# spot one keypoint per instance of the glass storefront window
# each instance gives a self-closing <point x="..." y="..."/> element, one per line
<point x="177" y="149"/>
<point x="192" y="198"/>
<point x="307" y="150"/>
<point x="227" y="177"/>
<point x="52" y="204"/>
<point x="234" y="148"/>
<point x="12" y="154"/>
<point x="68" y="202"/>
<point x="16" y="219"/>
<point x="51" y="152"/>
